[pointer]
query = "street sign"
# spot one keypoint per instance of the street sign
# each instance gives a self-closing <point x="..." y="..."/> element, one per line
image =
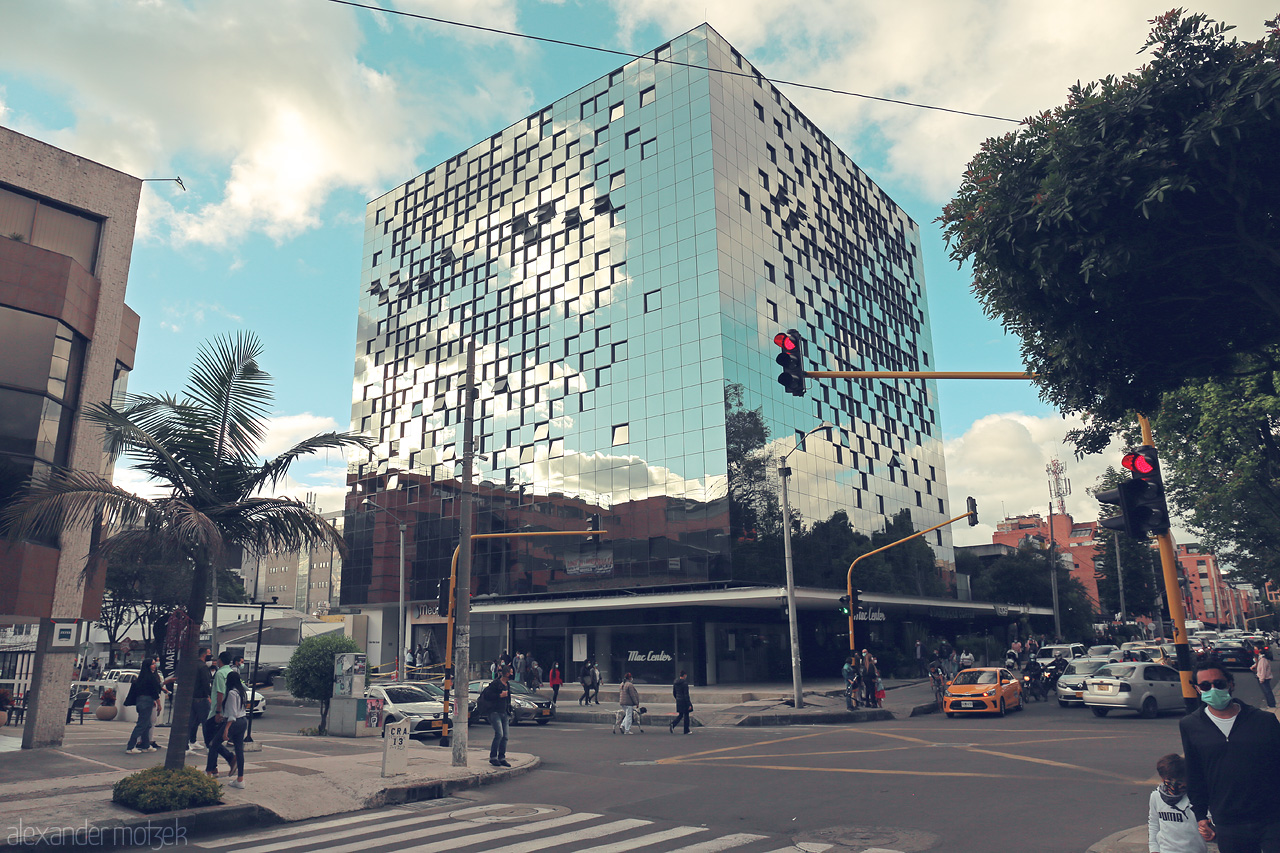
<point x="395" y="749"/>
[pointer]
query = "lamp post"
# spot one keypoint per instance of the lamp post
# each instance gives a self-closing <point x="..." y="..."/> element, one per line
<point x="783" y="473"/>
<point x="257" y="659"/>
<point x="400" y="624"/>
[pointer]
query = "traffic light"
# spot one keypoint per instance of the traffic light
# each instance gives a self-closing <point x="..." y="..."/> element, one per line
<point x="844" y="605"/>
<point x="972" y="505"/>
<point x="593" y="523"/>
<point x="855" y="603"/>
<point x="1140" y="499"/>
<point x="792" y="361"/>
<point x="443" y="607"/>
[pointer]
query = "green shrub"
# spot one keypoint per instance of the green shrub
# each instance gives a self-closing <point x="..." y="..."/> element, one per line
<point x="158" y="789"/>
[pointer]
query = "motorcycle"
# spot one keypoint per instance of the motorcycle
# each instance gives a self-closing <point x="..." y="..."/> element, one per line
<point x="1034" y="686"/>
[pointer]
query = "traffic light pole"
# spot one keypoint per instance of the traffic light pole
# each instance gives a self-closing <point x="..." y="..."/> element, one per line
<point x="849" y="577"/>
<point x="1173" y="593"/>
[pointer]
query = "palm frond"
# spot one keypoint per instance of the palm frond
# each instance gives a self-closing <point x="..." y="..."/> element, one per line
<point x="157" y="455"/>
<point x="227" y="381"/>
<point x="49" y="504"/>
<point x="275" y="470"/>
<point x="276" y="524"/>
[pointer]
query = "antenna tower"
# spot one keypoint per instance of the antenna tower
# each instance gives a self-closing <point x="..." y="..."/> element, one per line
<point x="1059" y="486"/>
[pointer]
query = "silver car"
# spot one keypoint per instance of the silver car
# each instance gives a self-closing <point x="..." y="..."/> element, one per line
<point x="1147" y="688"/>
<point x="1071" y="684"/>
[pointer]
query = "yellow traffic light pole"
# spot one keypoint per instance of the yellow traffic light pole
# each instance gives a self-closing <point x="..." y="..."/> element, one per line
<point x="1168" y="559"/>
<point x="849" y="577"/>
<point x="453" y="593"/>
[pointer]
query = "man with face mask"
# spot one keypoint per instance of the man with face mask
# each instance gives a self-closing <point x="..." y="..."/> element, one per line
<point x="1233" y="761"/>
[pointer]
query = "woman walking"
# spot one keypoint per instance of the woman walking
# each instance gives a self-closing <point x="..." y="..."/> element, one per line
<point x="145" y="696"/>
<point x="235" y="712"/>
<point x="555" y="679"/>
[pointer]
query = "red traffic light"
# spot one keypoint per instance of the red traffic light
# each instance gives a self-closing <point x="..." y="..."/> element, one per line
<point x="1138" y="463"/>
<point x="785" y="341"/>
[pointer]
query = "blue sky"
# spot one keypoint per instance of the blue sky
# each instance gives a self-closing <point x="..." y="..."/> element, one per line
<point x="284" y="117"/>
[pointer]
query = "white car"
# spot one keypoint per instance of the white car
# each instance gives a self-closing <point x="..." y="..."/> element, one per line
<point x="410" y="703"/>
<point x="257" y="703"/>
<point x="1070" y="688"/>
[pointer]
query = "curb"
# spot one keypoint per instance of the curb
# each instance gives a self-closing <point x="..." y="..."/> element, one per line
<point x="819" y="718"/>
<point x="926" y="708"/>
<point x="291" y="701"/>
<point x="1125" y="841"/>
<point x="177" y="828"/>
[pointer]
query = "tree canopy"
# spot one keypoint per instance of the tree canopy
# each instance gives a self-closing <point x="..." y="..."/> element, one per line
<point x="1130" y="236"/>
<point x="310" y="671"/>
<point x="202" y="449"/>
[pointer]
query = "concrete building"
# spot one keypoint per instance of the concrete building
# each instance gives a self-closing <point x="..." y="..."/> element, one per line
<point x="306" y="581"/>
<point x="1208" y="597"/>
<point x="622" y="260"/>
<point x="67" y="342"/>
<point x="1071" y="539"/>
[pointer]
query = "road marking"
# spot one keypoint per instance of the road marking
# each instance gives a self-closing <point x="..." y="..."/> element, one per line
<point x="678" y="758"/>
<point x="295" y="830"/>
<point x="478" y="838"/>
<point x="416" y="821"/>
<point x="579" y="834"/>
<point x="792" y="754"/>
<point x="1050" y="763"/>
<point x="645" y="840"/>
<point x="724" y="842"/>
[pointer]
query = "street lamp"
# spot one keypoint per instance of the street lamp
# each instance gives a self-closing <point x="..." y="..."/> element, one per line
<point x="400" y="625"/>
<point x="257" y="659"/>
<point x="783" y="473"/>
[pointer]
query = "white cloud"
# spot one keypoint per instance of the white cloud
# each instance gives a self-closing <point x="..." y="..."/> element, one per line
<point x="1001" y="461"/>
<point x="284" y="431"/>
<point x="1003" y="58"/>
<point x="273" y="96"/>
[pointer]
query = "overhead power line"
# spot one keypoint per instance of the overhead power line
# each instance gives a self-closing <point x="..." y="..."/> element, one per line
<point x="629" y="55"/>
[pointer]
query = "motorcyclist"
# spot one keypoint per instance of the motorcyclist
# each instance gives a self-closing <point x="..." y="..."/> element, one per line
<point x="1035" y="672"/>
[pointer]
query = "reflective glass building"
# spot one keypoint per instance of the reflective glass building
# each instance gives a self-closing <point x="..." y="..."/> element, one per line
<point x="622" y="260"/>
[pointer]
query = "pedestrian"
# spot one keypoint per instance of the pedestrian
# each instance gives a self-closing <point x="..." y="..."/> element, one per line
<point x="536" y="671"/>
<point x="1171" y="827"/>
<point x="966" y="659"/>
<point x="953" y="661"/>
<point x="519" y="665"/>
<point x="850" y="674"/>
<point x="920" y="658"/>
<point x="213" y="723"/>
<point x="235" y="722"/>
<point x="584" y="678"/>
<point x="1017" y="648"/>
<point x="684" y="707"/>
<point x="144" y="695"/>
<point x="495" y="702"/>
<point x="201" y="698"/>
<point x="1262" y="669"/>
<point x="629" y="699"/>
<point x="870" y="678"/>
<point x="1233" y="760"/>
<point x="555" y="679"/>
<point x="596" y="680"/>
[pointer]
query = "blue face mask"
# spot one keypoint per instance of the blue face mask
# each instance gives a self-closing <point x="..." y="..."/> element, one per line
<point x="1215" y="698"/>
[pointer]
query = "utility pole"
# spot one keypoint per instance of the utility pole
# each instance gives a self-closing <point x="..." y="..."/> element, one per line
<point x="1120" y="578"/>
<point x="1053" y="579"/>
<point x="462" y="604"/>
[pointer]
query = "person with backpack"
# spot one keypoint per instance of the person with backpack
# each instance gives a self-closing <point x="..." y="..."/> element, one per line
<point x="144" y="695"/>
<point x="495" y="703"/>
<point x="584" y="678"/>
<point x="235" y="715"/>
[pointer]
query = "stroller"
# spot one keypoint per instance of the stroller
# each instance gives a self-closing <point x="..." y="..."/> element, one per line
<point x="637" y="721"/>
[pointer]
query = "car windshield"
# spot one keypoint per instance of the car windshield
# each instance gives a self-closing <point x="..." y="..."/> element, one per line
<point x="517" y="687"/>
<point x="1052" y="652"/>
<point x="435" y="690"/>
<point x="1101" y="650"/>
<point x="1084" y="667"/>
<point x="1228" y="644"/>
<point x="1116" y="670"/>
<point x="976" y="676"/>
<point x="405" y="694"/>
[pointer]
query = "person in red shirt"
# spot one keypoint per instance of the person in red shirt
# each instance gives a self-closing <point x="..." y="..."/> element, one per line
<point x="555" y="679"/>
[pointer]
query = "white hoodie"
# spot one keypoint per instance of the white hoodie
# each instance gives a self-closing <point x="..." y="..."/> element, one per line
<point x="1172" y="829"/>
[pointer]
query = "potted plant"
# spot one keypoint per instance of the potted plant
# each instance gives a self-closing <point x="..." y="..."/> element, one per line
<point x="107" y="710"/>
<point x="6" y="699"/>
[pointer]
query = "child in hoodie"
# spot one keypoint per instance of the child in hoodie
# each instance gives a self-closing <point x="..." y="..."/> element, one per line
<point x="1171" y="827"/>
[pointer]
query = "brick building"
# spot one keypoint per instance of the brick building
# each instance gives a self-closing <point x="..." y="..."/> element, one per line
<point x="1071" y="539"/>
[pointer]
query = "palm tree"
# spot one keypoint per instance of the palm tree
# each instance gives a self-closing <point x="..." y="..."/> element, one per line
<point x="201" y="449"/>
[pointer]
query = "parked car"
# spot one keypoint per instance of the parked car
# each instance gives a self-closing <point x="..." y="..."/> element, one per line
<point x="546" y="709"/>
<point x="1070" y="687"/>
<point x="1147" y="688"/>
<point x="987" y="689"/>
<point x="523" y="707"/>
<point x="411" y="704"/>
<point x="257" y="703"/>
<point x="437" y="693"/>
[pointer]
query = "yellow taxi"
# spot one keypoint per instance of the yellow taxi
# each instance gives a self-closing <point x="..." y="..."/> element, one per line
<point x="983" y="690"/>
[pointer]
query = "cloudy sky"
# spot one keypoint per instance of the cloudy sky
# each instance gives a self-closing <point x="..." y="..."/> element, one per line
<point x="284" y="117"/>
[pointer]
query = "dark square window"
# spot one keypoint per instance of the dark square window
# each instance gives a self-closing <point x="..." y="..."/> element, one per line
<point x="649" y="148"/>
<point x="632" y="138"/>
<point x="652" y="301"/>
<point x="648" y="96"/>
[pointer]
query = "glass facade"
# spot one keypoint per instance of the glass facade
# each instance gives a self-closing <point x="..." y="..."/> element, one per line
<point x="621" y="260"/>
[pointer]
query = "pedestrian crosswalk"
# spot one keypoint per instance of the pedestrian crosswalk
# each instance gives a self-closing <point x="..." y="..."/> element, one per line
<point x="497" y="828"/>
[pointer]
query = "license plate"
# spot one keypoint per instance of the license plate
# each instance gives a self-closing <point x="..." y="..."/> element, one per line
<point x="546" y="712"/>
<point x="968" y="704"/>
<point x="1104" y="688"/>
<point x="1079" y="694"/>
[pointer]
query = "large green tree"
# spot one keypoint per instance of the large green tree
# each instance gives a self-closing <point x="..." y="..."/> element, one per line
<point x="202" y="450"/>
<point x="1131" y="237"/>
<point x="1023" y="578"/>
